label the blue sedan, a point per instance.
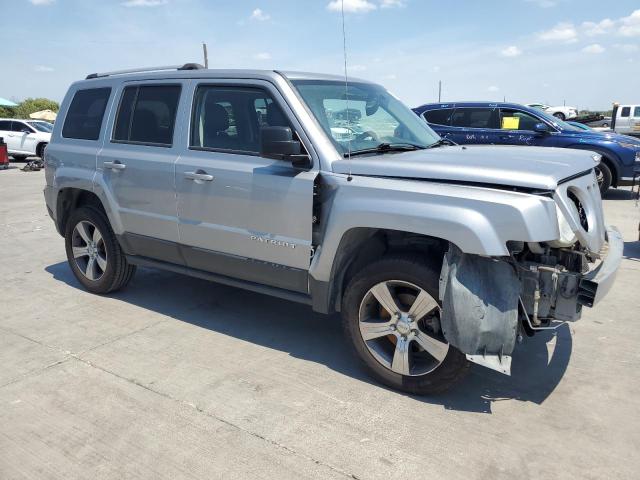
(514, 124)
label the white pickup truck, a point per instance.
(627, 120)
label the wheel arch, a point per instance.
(609, 158)
(360, 246)
(70, 199)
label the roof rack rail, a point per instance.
(186, 66)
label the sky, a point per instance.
(584, 53)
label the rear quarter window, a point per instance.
(85, 114)
(438, 117)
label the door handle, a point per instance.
(115, 165)
(198, 175)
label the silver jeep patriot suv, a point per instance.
(333, 194)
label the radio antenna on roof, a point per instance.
(346, 89)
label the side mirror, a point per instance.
(278, 143)
(25, 130)
(541, 128)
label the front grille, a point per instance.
(580, 208)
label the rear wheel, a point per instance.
(93, 252)
(19, 158)
(604, 176)
(40, 150)
(559, 115)
(392, 318)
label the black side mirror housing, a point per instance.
(25, 130)
(278, 143)
(541, 128)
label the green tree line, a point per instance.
(28, 106)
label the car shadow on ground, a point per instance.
(620, 194)
(632, 251)
(296, 329)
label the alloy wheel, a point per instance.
(399, 323)
(89, 250)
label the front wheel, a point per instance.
(392, 319)
(559, 115)
(604, 177)
(93, 252)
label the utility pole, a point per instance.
(439, 91)
(206, 56)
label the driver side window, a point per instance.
(517, 120)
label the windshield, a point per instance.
(364, 116)
(556, 122)
(42, 126)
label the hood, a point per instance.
(525, 167)
(600, 136)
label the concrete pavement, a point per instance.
(176, 377)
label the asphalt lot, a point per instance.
(179, 378)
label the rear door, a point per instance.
(474, 125)
(5, 130)
(242, 215)
(137, 165)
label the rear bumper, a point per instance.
(595, 285)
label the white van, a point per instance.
(628, 120)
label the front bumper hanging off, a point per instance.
(482, 299)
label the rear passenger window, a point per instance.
(5, 125)
(84, 118)
(147, 115)
(626, 111)
(475, 118)
(231, 118)
(439, 117)
(636, 112)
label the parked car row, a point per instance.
(337, 195)
(514, 124)
(25, 138)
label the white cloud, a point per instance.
(43, 68)
(392, 3)
(351, 6)
(436, 69)
(594, 48)
(630, 25)
(357, 68)
(262, 56)
(562, 32)
(259, 15)
(41, 2)
(511, 51)
(144, 3)
(602, 27)
(493, 88)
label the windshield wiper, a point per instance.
(387, 147)
(443, 142)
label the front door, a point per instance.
(21, 138)
(518, 128)
(242, 215)
(137, 163)
(623, 124)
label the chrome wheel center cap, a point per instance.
(403, 326)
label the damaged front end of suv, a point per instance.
(489, 303)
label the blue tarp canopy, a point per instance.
(7, 103)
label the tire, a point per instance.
(559, 115)
(40, 150)
(99, 263)
(401, 274)
(19, 158)
(605, 125)
(603, 172)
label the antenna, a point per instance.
(346, 89)
(206, 55)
